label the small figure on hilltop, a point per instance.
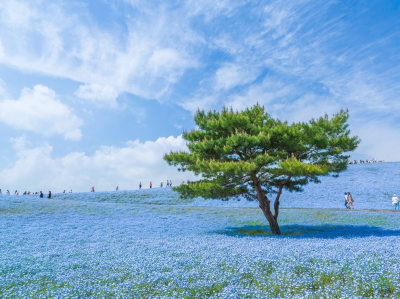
(8, 192)
(167, 183)
(41, 194)
(151, 185)
(350, 201)
(16, 192)
(0, 191)
(116, 189)
(395, 202)
(64, 191)
(170, 183)
(161, 185)
(140, 185)
(49, 195)
(92, 190)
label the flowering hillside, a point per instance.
(151, 244)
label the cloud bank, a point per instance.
(108, 167)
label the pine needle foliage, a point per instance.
(249, 153)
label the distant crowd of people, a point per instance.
(169, 184)
(348, 198)
(366, 161)
(40, 193)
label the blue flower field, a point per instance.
(151, 244)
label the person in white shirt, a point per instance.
(395, 202)
(345, 200)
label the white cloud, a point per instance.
(232, 75)
(146, 56)
(213, 8)
(38, 110)
(1, 50)
(269, 93)
(200, 102)
(19, 143)
(98, 94)
(3, 92)
(15, 13)
(108, 167)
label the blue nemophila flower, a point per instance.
(155, 245)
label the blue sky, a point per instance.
(95, 92)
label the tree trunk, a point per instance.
(265, 206)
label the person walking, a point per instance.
(345, 200)
(350, 201)
(8, 192)
(151, 185)
(41, 194)
(140, 185)
(395, 202)
(161, 185)
(116, 189)
(92, 190)
(49, 195)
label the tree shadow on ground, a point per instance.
(311, 231)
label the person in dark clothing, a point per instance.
(140, 185)
(41, 194)
(49, 196)
(151, 185)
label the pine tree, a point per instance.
(251, 154)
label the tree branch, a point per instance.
(252, 195)
(276, 203)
